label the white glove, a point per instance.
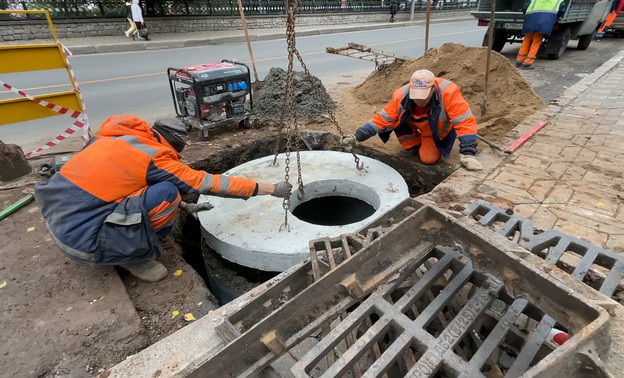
(470, 162)
(282, 189)
(349, 140)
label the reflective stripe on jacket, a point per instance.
(449, 116)
(94, 206)
(541, 16)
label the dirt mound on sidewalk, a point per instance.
(510, 97)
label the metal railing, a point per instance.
(85, 9)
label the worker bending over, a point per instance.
(539, 21)
(111, 203)
(427, 115)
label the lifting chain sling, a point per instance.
(290, 109)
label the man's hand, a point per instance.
(194, 208)
(282, 189)
(470, 162)
(348, 140)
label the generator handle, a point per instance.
(175, 104)
(171, 73)
(248, 78)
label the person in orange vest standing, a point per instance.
(427, 115)
(616, 8)
(113, 202)
(539, 21)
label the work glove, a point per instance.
(470, 162)
(282, 189)
(194, 208)
(349, 141)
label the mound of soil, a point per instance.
(510, 98)
(269, 100)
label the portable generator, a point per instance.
(212, 94)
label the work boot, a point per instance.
(408, 152)
(526, 66)
(150, 271)
(518, 63)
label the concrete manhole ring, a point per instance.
(247, 231)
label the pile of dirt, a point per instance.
(13, 163)
(510, 97)
(268, 101)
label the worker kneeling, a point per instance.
(111, 203)
(427, 115)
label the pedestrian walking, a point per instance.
(132, 31)
(113, 202)
(393, 10)
(539, 21)
(137, 17)
(427, 115)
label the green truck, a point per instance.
(581, 20)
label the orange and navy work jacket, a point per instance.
(94, 207)
(449, 116)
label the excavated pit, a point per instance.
(227, 280)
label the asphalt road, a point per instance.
(136, 82)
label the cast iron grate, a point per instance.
(597, 267)
(440, 318)
(403, 305)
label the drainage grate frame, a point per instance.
(551, 246)
(380, 253)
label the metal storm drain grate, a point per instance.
(599, 268)
(416, 293)
(440, 318)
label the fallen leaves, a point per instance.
(189, 317)
(3, 284)
(174, 314)
(177, 272)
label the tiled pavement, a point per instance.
(570, 175)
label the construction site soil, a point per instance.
(60, 318)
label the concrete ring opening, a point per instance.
(246, 232)
(334, 202)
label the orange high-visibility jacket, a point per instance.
(449, 116)
(94, 205)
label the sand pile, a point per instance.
(510, 96)
(268, 101)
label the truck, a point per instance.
(580, 22)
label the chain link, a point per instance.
(289, 105)
(290, 110)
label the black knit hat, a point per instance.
(173, 130)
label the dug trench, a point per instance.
(228, 147)
(227, 280)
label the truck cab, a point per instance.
(580, 21)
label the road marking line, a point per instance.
(246, 61)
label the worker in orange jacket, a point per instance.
(112, 202)
(427, 115)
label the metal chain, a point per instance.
(325, 104)
(289, 104)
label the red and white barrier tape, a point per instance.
(77, 125)
(82, 121)
(85, 119)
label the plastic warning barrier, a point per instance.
(25, 58)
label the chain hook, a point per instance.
(359, 165)
(285, 225)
